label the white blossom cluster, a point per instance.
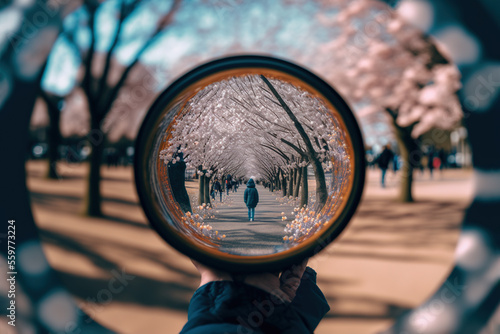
(199, 219)
(196, 222)
(385, 64)
(306, 222)
(237, 126)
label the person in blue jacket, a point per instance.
(256, 304)
(251, 198)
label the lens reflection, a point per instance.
(252, 164)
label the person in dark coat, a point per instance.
(229, 179)
(395, 163)
(212, 192)
(257, 303)
(383, 161)
(251, 198)
(218, 188)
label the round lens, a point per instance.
(249, 163)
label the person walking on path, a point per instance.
(383, 161)
(395, 163)
(218, 188)
(229, 178)
(212, 192)
(430, 161)
(251, 198)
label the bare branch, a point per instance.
(162, 24)
(125, 10)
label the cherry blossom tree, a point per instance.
(100, 89)
(382, 64)
(53, 131)
(256, 125)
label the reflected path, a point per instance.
(262, 236)
(387, 260)
(266, 126)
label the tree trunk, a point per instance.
(321, 191)
(291, 178)
(297, 183)
(201, 189)
(304, 192)
(295, 172)
(410, 154)
(53, 141)
(405, 193)
(283, 185)
(206, 191)
(92, 201)
(177, 179)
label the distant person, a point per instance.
(212, 192)
(436, 162)
(370, 159)
(229, 179)
(251, 198)
(430, 161)
(422, 163)
(395, 163)
(218, 188)
(383, 161)
(443, 157)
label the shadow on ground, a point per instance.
(382, 230)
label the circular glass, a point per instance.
(249, 163)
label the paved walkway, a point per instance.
(262, 236)
(390, 258)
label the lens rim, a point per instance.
(242, 264)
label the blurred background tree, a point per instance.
(96, 33)
(385, 65)
(115, 56)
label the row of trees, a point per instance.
(385, 65)
(101, 78)
(253, 125)
(379, 63)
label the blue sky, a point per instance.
(200, 29)
(203, 30)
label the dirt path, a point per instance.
(264, 235)
(391, 257)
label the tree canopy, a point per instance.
(238, 126)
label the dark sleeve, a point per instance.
(245, 196)
(256, 196)
(309, 302)
(235, 307)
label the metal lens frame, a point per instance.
(171, 102)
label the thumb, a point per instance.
(290, 278)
